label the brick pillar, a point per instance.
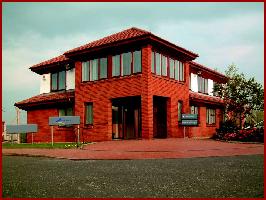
(146, 95)
(202, 121)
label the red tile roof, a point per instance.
(203, 97)
(131, 33)
(208, 69)
(46, 98)
(123, 35)
(57, 59)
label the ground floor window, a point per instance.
(211, 119)
(68, 111)
(180, 108)
(88, 113)
(194, 110)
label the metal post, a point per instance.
(52, 135)
(78, 135)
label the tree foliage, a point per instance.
(241, 95)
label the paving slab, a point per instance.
(146, 149)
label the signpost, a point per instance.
(189, 120)
(62, 121)
(23, 128)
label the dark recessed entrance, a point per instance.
(126, 118)
(159, 117)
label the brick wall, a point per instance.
(41, 117)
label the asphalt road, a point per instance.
(237, 176)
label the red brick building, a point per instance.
(128, 85)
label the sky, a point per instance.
(221, 33)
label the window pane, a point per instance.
(179, 110)
(89, 114)
(103, 68)
(69, 111)
(158, 63)
(62, 80)
(206, 86)
(94, 69)
(181, 71)
(176, 70)
(61, 112)
(54, 81)
(172, 67)
(164, 67)
(137, 61)
(211, 118)
(85, 71)
(116, 65)
(126, 60)
(152, 62)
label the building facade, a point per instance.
(129, 85)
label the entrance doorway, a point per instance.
(126, 118)
(159, 117)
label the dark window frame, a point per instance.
(57, 81)
(180, 111)
(209, 114)
(131, 64)
(85, 113)
(98, 70)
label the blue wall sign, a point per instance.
(189, 116)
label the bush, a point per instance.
(229, 131)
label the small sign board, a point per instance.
(189, 116)
(193, 122)
(189, 119)
(64, 120)
(23, 128)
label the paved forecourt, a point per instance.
(146, 149)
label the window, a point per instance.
(116, 65)
(85, 71)
(103, 68)
(202, 85)
(68, 111)
(164, 66)
(93, 70)
(58, 81)
(88, 113)
(126, 63)
(152, 61)
(181, 71)
(180, 108)
(211, 119)
(65, 111)
(194, 110)
(176, 70)
(158, 63)
(172, 68)
(137, 62)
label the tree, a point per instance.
(242, 96)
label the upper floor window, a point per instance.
(166, 66)
(202, 85)
(93, 70)
(58, 81)
(126, 63)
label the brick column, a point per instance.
(146, 95)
